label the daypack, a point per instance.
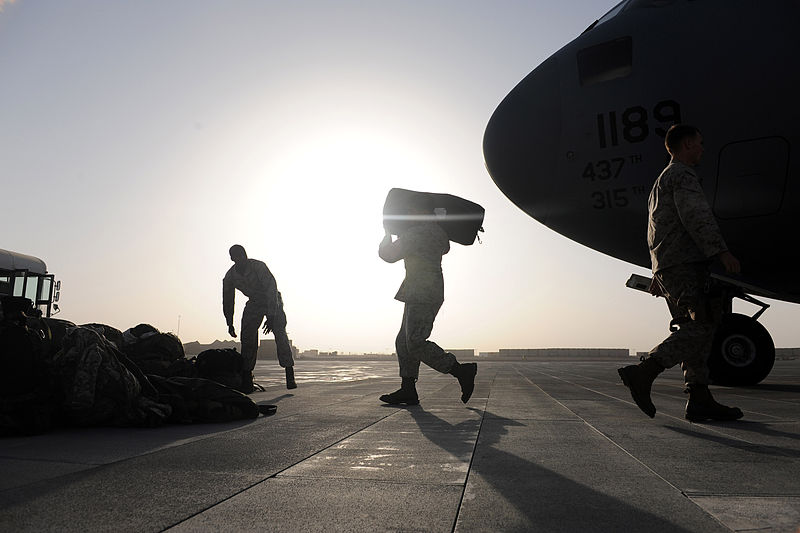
(201, 400)
(97, 388)
(155, 352)
(223, 365)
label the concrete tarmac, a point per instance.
(541, 446)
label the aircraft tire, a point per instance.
(742, 352)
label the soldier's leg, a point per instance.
(409, 370)
(252, 317)
(409, 364)
(282, 343)
(699, 313)
(418, 325)
(696, 319)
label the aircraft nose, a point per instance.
(521, 141)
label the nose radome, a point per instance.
(520, 145)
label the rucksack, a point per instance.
(223, 365)
(155, 352)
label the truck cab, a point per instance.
(26, 276)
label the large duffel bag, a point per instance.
(156, 352)
(197, 400)
(461, 219)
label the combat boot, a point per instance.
(407, 394)
(465, 373)
(290, 383)
(639, 378)
(246, 382)
(702, 406)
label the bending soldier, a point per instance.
(683, 238)
(421, 245)
(254, 280)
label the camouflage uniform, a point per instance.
(421, 247)
(683, 236)
(259, 285)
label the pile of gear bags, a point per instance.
(54, 373)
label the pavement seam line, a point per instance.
(706, 427)
(472, 456)
(273, 476)
(659, 476)
(629, 454)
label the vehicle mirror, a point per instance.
(56, 296)
(58, 285)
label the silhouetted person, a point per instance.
(421, 245)
(684, 239)
(254, 280)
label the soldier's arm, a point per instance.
(697, 218)
(228, 293)
(389, 251)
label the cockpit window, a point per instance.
(605, 61)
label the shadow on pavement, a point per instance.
(545, 498)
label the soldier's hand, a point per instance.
(731, 264)
(655, 288)
(232, 331)
(267, 326)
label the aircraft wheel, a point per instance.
(742, 353)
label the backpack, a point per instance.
(155, 352)
(223, 365)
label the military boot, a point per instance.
(290, 383)
(407, 394)
(702, 406)
(465, 373)
(246, 382)
(639, 378)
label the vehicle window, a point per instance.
(19, 282)
(44, 290)
(605, 61)
(32, 288)
(5, 285)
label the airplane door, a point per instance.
(751, 178)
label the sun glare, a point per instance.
(316, 218)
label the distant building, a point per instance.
(267, 349)
(194, 348)
(547, 353)
(462, 353)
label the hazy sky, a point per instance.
(139, 140)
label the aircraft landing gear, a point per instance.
(742, 352)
